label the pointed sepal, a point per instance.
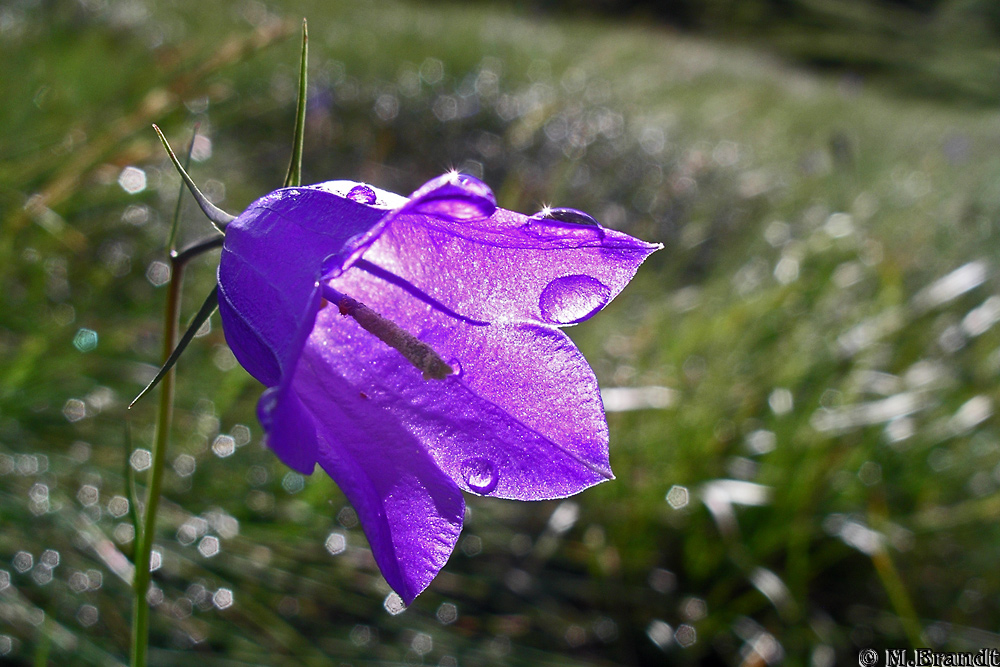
(216, 215)
(207, 308)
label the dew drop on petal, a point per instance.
(572, 299)
(567, 223)
(480, 474)
(362, 194)
(458, 208)
(455, 197)
(570, 215)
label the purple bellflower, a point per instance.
(412, 348)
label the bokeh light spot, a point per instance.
(85, 340)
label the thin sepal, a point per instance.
(175, 223)
(216, 215)
(207, 308)
(294, 175)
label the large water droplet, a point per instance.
(564, 222)
(572, 299)
(480, 474)
(362, 194)
(455, 197)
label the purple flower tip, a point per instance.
(411, 348)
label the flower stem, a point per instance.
(145, 537)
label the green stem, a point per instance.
(898, 597)
(144, 546)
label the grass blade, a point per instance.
(294, 175)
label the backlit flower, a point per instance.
(411, 348)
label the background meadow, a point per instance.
(801, 386)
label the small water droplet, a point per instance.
(480, 474)
(571, 299)
(362, 194)
(565, 223)
(570, 215)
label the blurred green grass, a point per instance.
(789, 318)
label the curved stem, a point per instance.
(144, 546)
(197, 248)
(179, 259)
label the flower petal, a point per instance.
(522, 418)
(410, 510)
(558, 267)
(485, 289)
(272, 257)
(291, 433)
